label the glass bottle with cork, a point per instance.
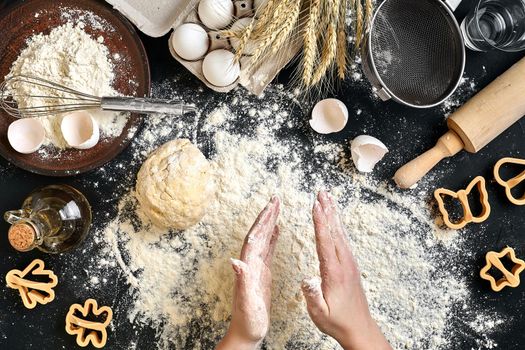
(53, 219)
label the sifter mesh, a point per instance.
(417, 50)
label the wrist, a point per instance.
(369, 337)
(234, 341)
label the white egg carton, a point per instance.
(155, 18)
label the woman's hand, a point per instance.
(336, 302)
(253, 280)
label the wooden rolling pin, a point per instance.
(486, 115)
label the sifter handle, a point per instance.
(410, 173)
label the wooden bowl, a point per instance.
(132, 76)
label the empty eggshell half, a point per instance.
(80, 130)
(367, 151)
(26, 135)
(329, 116)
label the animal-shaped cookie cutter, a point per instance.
(511, 183)
(510, 278)
(86, 330)
(33, 292)
(462, 196)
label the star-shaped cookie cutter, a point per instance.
(462, 196)
(86, 330)
(510, 183)
(33, 292)
(510, 278)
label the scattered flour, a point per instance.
(181, 282)
(70, 57)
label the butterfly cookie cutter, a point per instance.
(86, 330)
(511, 183)
(33, 292)
(510, 278)
(462, 196)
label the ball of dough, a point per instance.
(175, 185)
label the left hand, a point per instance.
(253, 280)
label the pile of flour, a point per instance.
(70, 57)
(181, 282)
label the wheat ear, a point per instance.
(359, 24)
(243, 41)
(310, 41)
(269, 34)
(287, 27)
(342, 53)
(327, 55)
(256, 21)
(369, 10)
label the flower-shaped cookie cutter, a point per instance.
(33, 292)
(510, 183)
(510, 278)
(462, 196)
(87, 330)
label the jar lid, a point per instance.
(22, 236)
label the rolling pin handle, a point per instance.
(410, 173)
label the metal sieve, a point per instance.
(414, 52)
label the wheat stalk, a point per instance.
(310, 41)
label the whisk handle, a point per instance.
(145, 105)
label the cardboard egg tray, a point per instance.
(157, 17)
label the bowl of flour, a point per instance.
(84, 45)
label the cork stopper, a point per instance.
(22, 236)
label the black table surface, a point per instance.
(407, 131)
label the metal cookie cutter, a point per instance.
(33, 292)
(462, 196)
(510, 278)
(511, 183)
(86, 330)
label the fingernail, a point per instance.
(311, 285)
(317, 205)
(236, 265)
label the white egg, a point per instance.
(367, 151)
(26, 135)
(329, 116)
(80, 130)
(239, 27)
(190, 41)
(216, 14)
(220, 68)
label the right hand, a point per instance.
(336, 302)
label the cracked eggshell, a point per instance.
(367, 151)
(26, 135)
(80, 130)
(329, 116)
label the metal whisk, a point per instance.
(62, 99)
